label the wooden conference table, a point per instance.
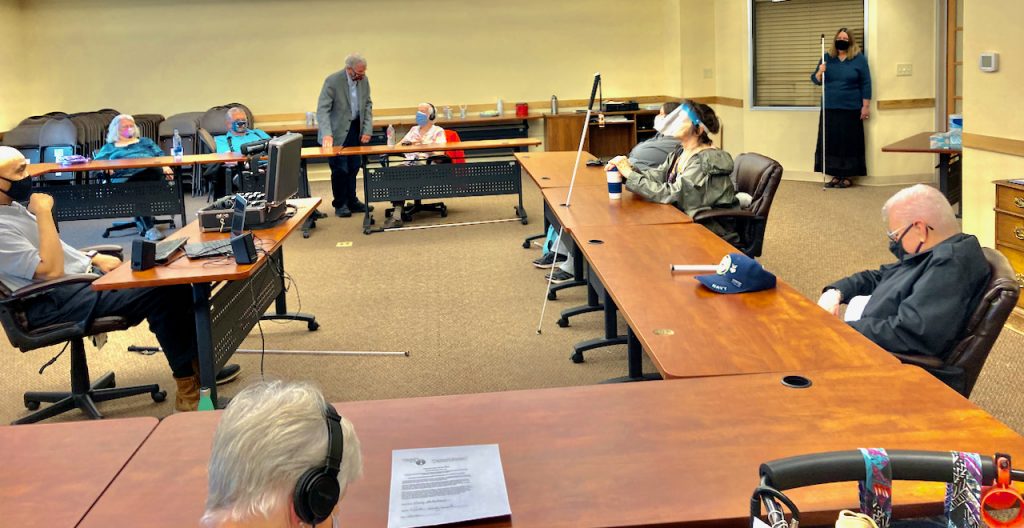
(554, 169)
(949, 169)
(584, 456)
(224, 317)
(690, 331)
(51, 474)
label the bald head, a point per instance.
(11, 162)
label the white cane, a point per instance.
(824, 173)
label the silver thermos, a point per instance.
(554, 105)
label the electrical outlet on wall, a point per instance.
(904, 70)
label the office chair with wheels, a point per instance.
(758, 176)
(83, 394)
(960, 369)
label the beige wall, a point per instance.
(990, 107)
(11, 64)
(168, 57)
(898, 32)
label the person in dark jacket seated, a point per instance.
(919, 304)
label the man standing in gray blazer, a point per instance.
(345, 112)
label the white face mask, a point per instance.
(672, 123)
(659, 122)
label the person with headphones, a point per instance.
(282, 457)
(424, 133)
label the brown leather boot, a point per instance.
(187, 398)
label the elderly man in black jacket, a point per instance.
(921, 303)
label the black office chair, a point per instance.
(83, 394)
(417, 205)
(961, 368)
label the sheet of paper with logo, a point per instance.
(442, 485)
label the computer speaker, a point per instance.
(143, 254)
(243, 248)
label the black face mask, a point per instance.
(20, 190)
(842, 45)
(896, 246)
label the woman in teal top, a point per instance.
(124, 142)
(847, 104)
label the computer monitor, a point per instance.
(283, 168)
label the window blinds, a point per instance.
(787, 46)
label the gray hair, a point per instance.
(924, 203)
(354, 59)
(235, 110)
(269, 435)
(112, 129)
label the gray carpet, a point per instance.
(465, 303)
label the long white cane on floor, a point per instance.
(824, 168)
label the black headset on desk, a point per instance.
(317, 491)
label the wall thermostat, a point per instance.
(989, 61)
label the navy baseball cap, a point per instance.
(738, 273)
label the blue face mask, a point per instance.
(239, 126)
(422, 119)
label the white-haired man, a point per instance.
(345, 113)
(239, 131)
(273, 440)
(31, 250)
(919, 304)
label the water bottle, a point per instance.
(176, 150)
(554, 105)
(501, 108)
(205, 403)
(391, 135)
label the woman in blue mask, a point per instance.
(124, 142)
(847, 105)
(424, 133)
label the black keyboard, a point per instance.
(166, 248)
(209, 248)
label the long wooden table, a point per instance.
(690, 331)
(554, 169)
(51, 474)
(949, 169)
(224, 317)
(683, 452)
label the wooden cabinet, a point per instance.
(1010, 227)
(621, 131)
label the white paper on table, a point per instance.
(855, 308)
(444, 485)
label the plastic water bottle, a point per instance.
(501, 107)
(176, 149)
(391, 135)
(205, 403)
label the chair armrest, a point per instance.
(43, 287)
(113, 250)
(927, 362)
(723, 213)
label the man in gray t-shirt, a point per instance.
(31, 251)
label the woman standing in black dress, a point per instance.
(847, 105)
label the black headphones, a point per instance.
(317, 491)
(433, 112)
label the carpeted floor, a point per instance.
(465, 303)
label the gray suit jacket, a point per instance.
(332, 108)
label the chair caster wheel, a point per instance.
(366, 230)
(106, 235)
(444, 212)
(526, 245)
(406, 217)
(563, 323)
(305, 235)
(32, 405)
(524, 221)
(113, 382)
(172, 225)
(158, 396)
(313, 326)
(576, 357)
(552, 296)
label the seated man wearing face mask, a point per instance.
(652, 152)
(424, 133)
(921, 303)
(239, 132)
